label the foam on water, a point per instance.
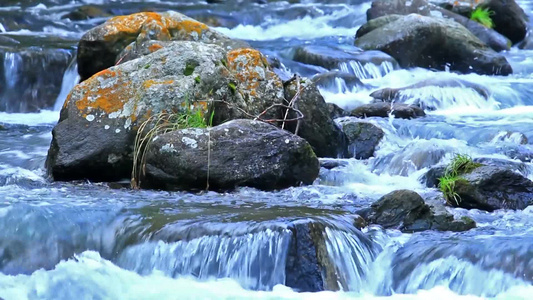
(302, 28)
(88, 276)
(44, 117)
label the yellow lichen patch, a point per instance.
(190, 26)
(149, 83)
(130, 24)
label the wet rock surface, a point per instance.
(363, 137)
(406, 210)
(384, 109)
(236, 153)
(490, 188)
(441, 44)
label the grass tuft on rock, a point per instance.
(482, 16)
(460, 164)
(160, 124)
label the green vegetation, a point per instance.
(460, 164)
(482, 16)
(160, 124)
(189, 68)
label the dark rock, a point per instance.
(100, 47)
(336, 112)
(331, 163)
(317, 127)
(332, 58)
(382, 8)
(441, 44)
(236, 153)
(363, 137)
(86, 12)
(508, 18)
(406, 210)
(490, 188)
(376, 23)
(433, 175)
(308, 267)
(383, 109)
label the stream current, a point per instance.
(88, 240)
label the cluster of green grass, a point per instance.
(482, 16)
(160, 124)
(460, 164)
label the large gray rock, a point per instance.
(363, 137)
(99, 121)
(508, 17)
(384, 109)
(440, 44)
(406, 210)
(99, 48)
(317, 126)
(490, 188)
(382, 9)
(236, 153)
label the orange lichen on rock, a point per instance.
(105, 91)
(249, 66)
(163, 26)
(149, 83)
(154, 47)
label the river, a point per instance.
(86, 240)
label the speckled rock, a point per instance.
(99, 121)
(100, 47)
(236, 153)
(440, 44)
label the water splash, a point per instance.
(368, 70)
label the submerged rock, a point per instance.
(490, 188)
(384, 109)
(86, 12)
(332, 58)
(99, 121)
(99, 48)
(363, 137)
(440, 44)
(236, 153)
(406, 210)
(317, 126)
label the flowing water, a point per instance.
(98, 241)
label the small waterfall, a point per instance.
(257, 260)
(368, 70)
(352, 253)
(70, 79)
(12, 62)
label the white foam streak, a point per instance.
(44, 117)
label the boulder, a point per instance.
(406, 210)
(383, 109)
(100, 118)
(384, 8)
(376, 23)
(509, 19)
(236, 153)
(440, 44)
(317, 126)
(490, 188)
(331, 58)
(99, 48)
(363, 137)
